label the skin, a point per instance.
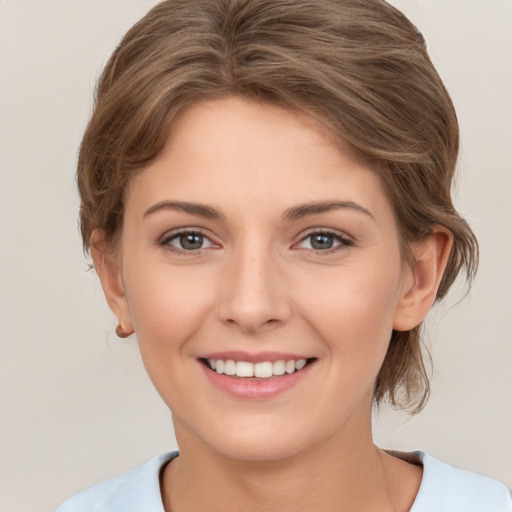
(257, 284)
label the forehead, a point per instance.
(241, 154)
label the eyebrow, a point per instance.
(294, 213)
(201, 210)
(302, 210)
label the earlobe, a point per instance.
(422, 281)
(108, 268)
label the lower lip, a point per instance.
(255, 389)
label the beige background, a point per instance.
(76, 406)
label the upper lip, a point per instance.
(258, 357)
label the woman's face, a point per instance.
(257, 242)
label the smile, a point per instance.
(262, 376)
(262, 370)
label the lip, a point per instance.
(253, 388)
(259, 357)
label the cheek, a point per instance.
(353, 311)
(167, 305)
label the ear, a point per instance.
(108, 268)
(422, 278)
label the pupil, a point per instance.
(322, 242)
(191, 242)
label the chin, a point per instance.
(269, 449)
(258, 440)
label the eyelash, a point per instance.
(168, 238)
(344, 241)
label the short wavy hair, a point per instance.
(358, 66)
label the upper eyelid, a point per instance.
(165, 242)
(183, 231)
(344, 241)
(328, 231)
(171, 235)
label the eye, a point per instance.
(324, 240)
(187, 241)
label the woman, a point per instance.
(265, 194)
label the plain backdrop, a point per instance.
(75, 404)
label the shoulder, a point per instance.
(445, 488)
(134, 491)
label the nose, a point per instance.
(253, 292)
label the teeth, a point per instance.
(289, 366)
(263, 370)
(244, 369)
(230, 367)
(279, 368)
(299, 364)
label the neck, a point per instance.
(342, 473)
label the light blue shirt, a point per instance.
(443, 489)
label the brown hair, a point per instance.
(359, 66)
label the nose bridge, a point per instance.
(253, 289)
